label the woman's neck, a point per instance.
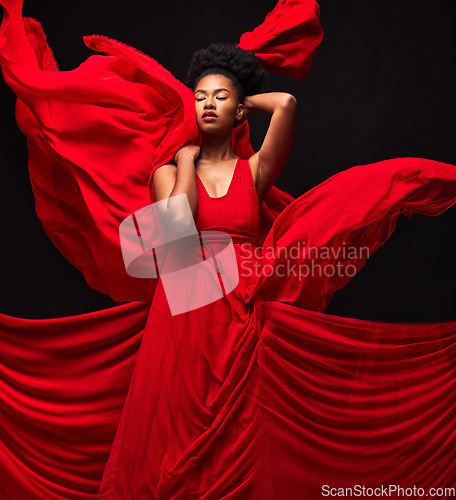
(216, 149)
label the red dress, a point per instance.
(256, 395)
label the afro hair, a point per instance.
(229, 60)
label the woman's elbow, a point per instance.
(289, 101)
(179, 219)
(182, 224)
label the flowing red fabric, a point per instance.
(248, 396)
(64, 382)
(286, 42)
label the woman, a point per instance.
(193, 397)
(246, 396)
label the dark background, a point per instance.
(382, 86)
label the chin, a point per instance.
(214, 127)
(210, 128)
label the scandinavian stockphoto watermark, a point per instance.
(301, 260)
(197, 268)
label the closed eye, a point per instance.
(220, 98)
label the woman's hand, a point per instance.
(248, 108)
(187, 151)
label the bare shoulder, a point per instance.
(163, 180)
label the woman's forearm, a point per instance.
(185, 185)
(186, 182)
(270, 102)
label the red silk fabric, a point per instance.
(63, 385)
(340, 401)
(370, 403)
(287, 40)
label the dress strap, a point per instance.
(249, 178)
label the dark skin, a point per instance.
(214, 161)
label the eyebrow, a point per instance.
(216, 90)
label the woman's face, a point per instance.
(217, 104)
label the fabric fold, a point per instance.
(63, 384)
(319, 241)
(287, 40)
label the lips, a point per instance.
(209, 116)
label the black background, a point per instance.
(382, 86)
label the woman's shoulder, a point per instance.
(163, 180)
(165, 171)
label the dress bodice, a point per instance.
(237, 212)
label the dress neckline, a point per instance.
(229, 186)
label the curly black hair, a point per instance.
(229, 60)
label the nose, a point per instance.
(209, 102)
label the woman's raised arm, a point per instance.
(269, 161)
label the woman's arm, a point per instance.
(171, 180)
(269, 161)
